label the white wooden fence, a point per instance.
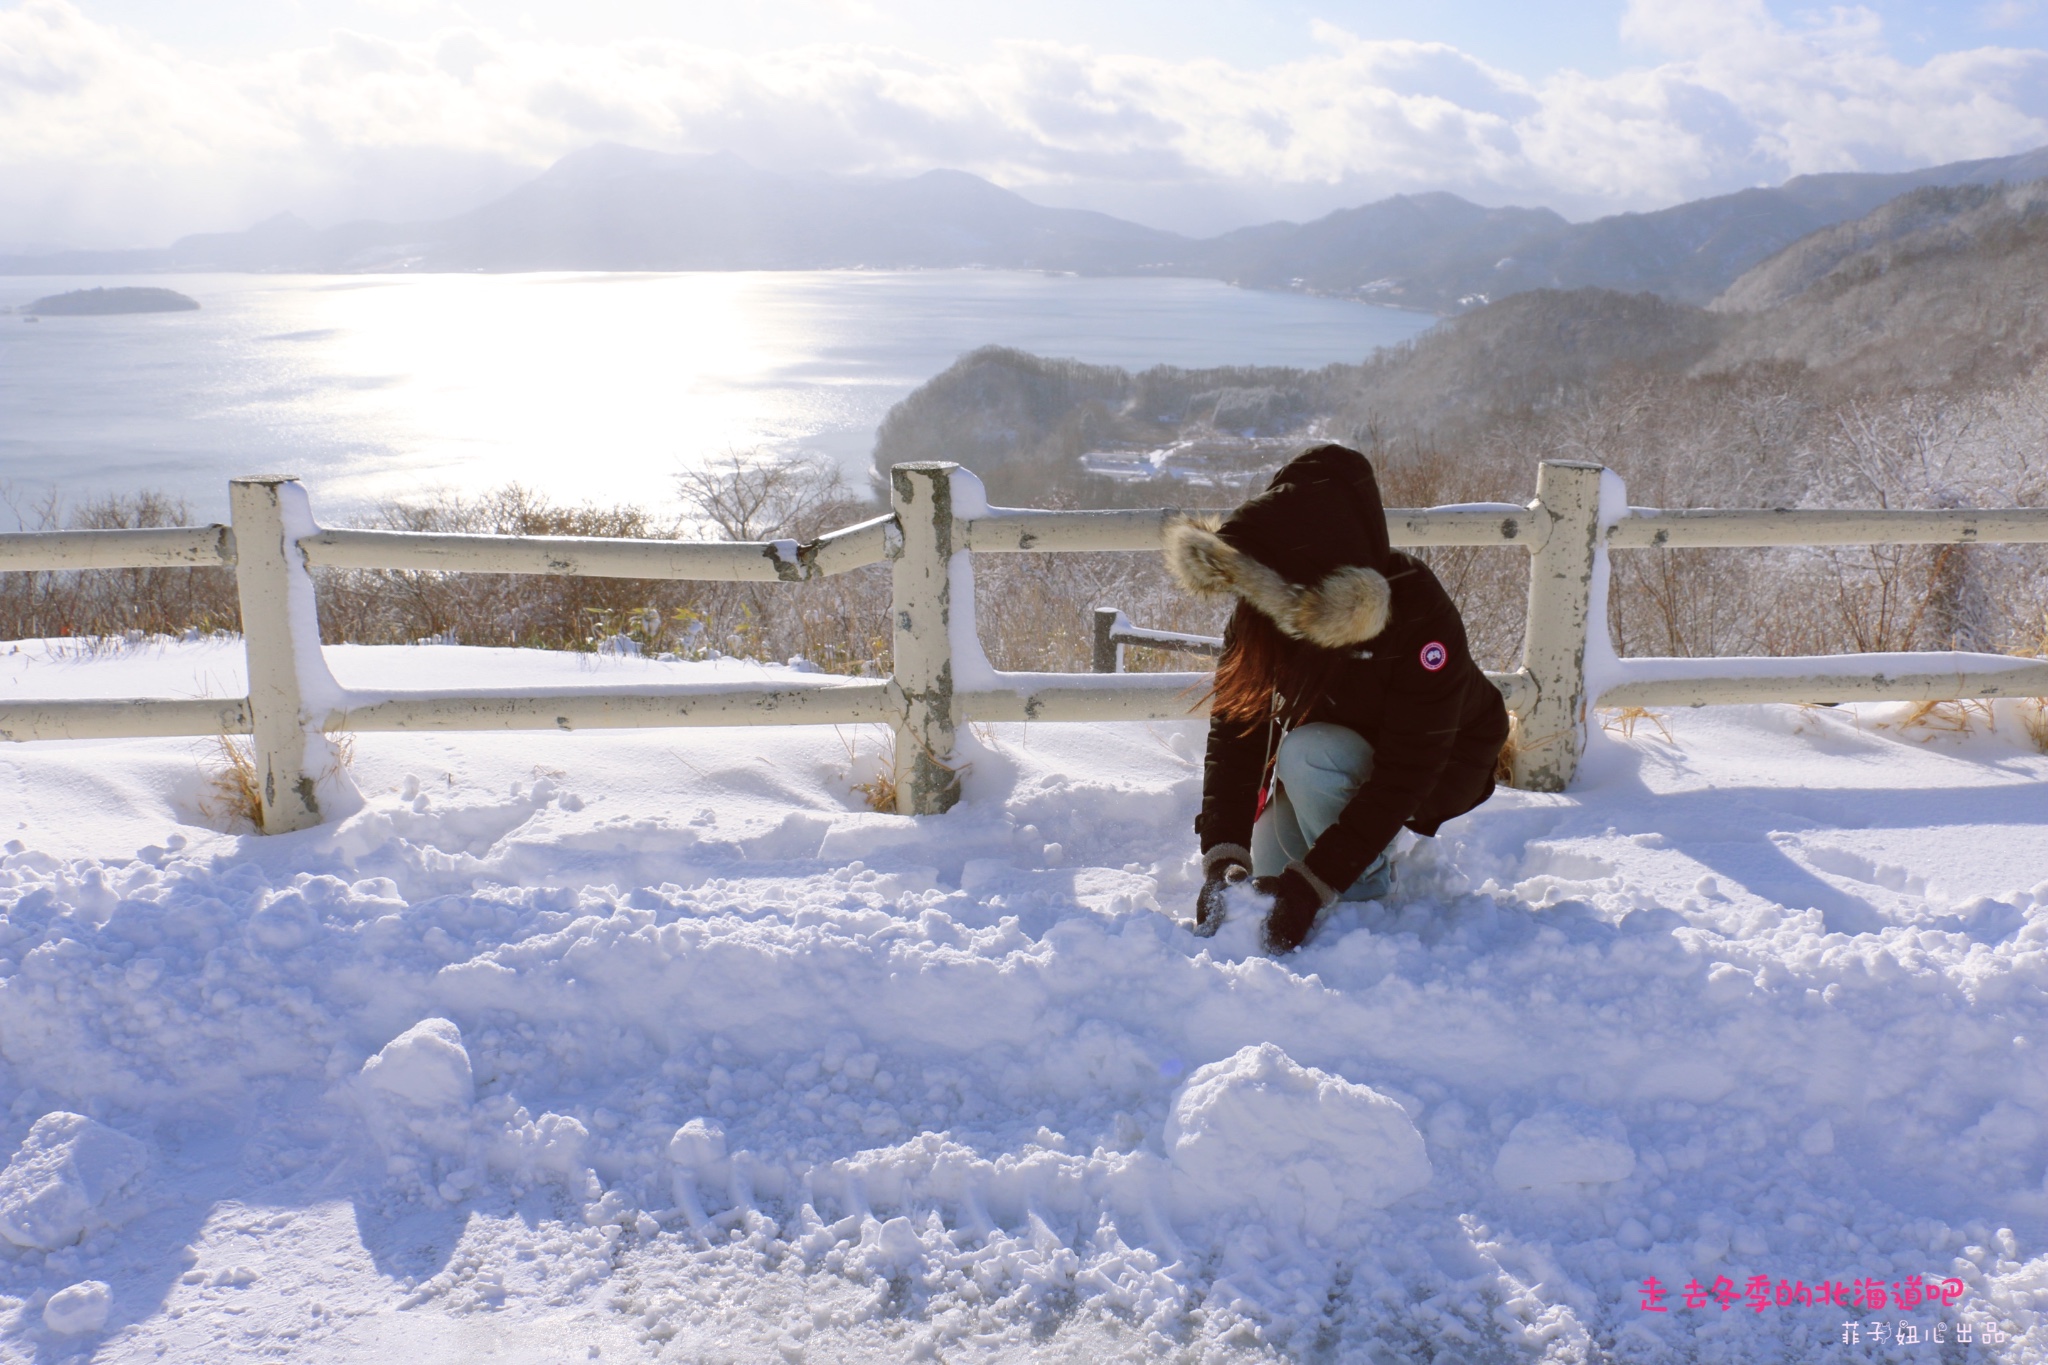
(939, 520)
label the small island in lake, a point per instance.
(125, 299)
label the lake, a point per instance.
(587, 387)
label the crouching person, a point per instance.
(1346, 703)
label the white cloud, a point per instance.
(2007, 13)
(106, 136)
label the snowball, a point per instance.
(1563, 1147)
(425, 1067)
(80, 1308)
(66, 1168)
(697, 1144)
(1259, 1130)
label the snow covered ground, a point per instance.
(658, 1045)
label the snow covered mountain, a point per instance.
(610, 207)
(619, 208)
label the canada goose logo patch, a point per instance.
(1434, 655)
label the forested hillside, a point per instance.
(1943, 288)
(1942, 291)
(1892, 361)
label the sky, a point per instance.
(131, 122)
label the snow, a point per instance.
(972, 671)
(1261, 1137)
(659, 1045)
(1562, 1147)
(81, 1307)
(424, 1068)
(65, 1170)
(319, 692)
(1603, 669)
(416, 1094)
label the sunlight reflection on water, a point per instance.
(583, 386)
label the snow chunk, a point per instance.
(894, 1244)
(426, 1067)
(697, 1145)
(66, 1168)
(419, 1089)
(80, 1308)
(1259, 1130)
(1560, 1148)
(285, 922)
(697, 1152)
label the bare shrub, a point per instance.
(1490, 584)
(1625, 719)
(231, 798)
(112, 602)
(1036, 612)
(753, 496)
(1771, 436)
(871, 774)
(1945, 717)
(840, 624)
(2034, 720)
(389, 606)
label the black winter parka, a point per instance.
(1311, 552)
(1435, 734)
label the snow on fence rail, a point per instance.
(1113, 630)
(939, 519)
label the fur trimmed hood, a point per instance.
(1345, 607)
(1308, 553)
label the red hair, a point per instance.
(1259, 663)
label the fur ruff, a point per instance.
(1347, 607)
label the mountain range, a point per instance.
(620, 208)
(1439, 252)
(1934, 296)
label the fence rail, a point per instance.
(1113, 631)
(757, 561)
(158, 547)
(132, 718)
(1017, 530)
(1647, 528)
(825, 702)
(939, 518)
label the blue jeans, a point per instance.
(1319, 767)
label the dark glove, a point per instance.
(1211, 902)
(1295, 907)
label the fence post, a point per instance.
(1553, 729)
(1108, 654)
(921, 591)
(269, 515)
